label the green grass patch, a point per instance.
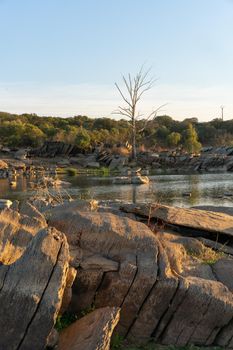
(63, 321)
(207, 256)
(71, 171)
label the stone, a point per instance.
(223, 270)
(31, 292)
(92, 332)
(93, 165)
(5, 203)
(52, 339)
(99, 262)
(165, 285)
(67, 295)
(3, 165)
(192, 218)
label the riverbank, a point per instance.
(129, 274)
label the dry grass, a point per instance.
(121, 151)
(207, 255)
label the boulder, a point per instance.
(3, 165)
(5, 203)
(117, 163)
(166, 285)
(92, 332)
(191, 218)
(128, 180)
(34, 261)
(139, 180)
(93, 165)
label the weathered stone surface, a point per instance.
(3, 165)
(117, 238)
(165, 286)
(194, 218)
(223, 269)
(92, 332)
(94, 262)
(224, 210)
(32, 285)
(67, 295)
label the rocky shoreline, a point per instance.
(58, 155)
(135, 273)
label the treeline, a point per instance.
(162, 132)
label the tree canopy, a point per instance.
(31, 130)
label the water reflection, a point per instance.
(182, 190)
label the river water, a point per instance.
(182, 190)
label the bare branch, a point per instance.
(153, 114)
(122, 95)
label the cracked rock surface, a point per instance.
(34, 261)
(169, 287)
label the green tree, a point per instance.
(83, 139)
(173, 139)
(190, 140)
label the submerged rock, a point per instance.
(128, 180)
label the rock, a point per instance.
(165, 285)
(128, 180)
(63, 163)
(120, 239)
(3, 165)
(193, 218)
(52, 339)
(93, 165)
(216, 246)
(223, 269)
(138, 180)
(117, 163)
(224, 210)
(32, 287)
(67, 295)
(21, 154)
(5, 203)
(122, 180)
(92, 332)
(99, 262)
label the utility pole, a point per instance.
(222, 108)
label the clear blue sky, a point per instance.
(62, 57)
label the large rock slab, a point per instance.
(193, 218)
(34, 262)
(92, 332)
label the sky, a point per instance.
(62, 57)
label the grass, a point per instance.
(71, 171)
(207, 256)
(65, 320)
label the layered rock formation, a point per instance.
(151, 281)
(167, 286)
(34, 264)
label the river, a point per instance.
(182, 190)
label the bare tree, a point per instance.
(134, 88)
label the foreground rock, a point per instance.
(34, 262)
(169, 287)
(92, 332)
(191, 218)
